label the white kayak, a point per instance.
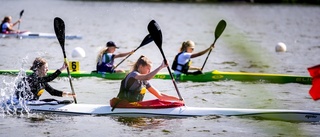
(182, 111)
(28, 34)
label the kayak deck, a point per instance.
(28, 34)
(182, 111)
(214, 75)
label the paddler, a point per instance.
(182, 61)
(32, 87)
(105, 59)
(135, 84)
(7, 26)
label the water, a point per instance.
(247, 44)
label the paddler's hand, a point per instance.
(212, 46)
(131, 52)
(164, 64)
(68, 94)
(198, 68)
(64, 66)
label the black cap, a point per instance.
(111, 44)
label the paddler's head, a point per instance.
(7, 19)
(40, 66)
(143, 65)
(111, 46)
(187, 46)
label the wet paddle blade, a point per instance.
(21, 13)
(145, 41)
(217, 33)
(155, 33)
(219, 29)
(59, 29)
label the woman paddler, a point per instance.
(135, 84)
(182, 61)
(31, 87)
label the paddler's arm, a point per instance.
(194, 68)
(151, 74)
(123, 54)
(202, 52)
(54, 75)
(68, 94)
(59, 93)
(162, 96)
(16, 22)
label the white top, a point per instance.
(183, 58)
(4, 27)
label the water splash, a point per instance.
(9, 104)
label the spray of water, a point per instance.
(9, 86)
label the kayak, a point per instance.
(28, 34)
(214, 75)
(179, 111)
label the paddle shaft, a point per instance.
(205, 61)
(21, 13)
(145, 41)
(217, 33)
(125, 58)
(69, 76)
(59, 29)
(173, 80)
(155, 32)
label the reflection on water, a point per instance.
(141, 122)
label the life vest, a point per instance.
(184, 67)
(131, 95)
(40, 92)
(107, 65)
(27, 91)
(5, 31)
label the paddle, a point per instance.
(59, 29)
(219, 29)
(145, 41)
(21, 13)
(155, 32)
(18, 31)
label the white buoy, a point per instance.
(281, 47)
(78, 52)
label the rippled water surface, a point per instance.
(247, 44)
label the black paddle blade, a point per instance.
(155, 33)
(21, 13)
(59, 29)
(220, 28)
(146, 40)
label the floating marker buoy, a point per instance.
(281, 47)
(78, 52)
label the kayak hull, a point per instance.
(182, 111)
(214, 75)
